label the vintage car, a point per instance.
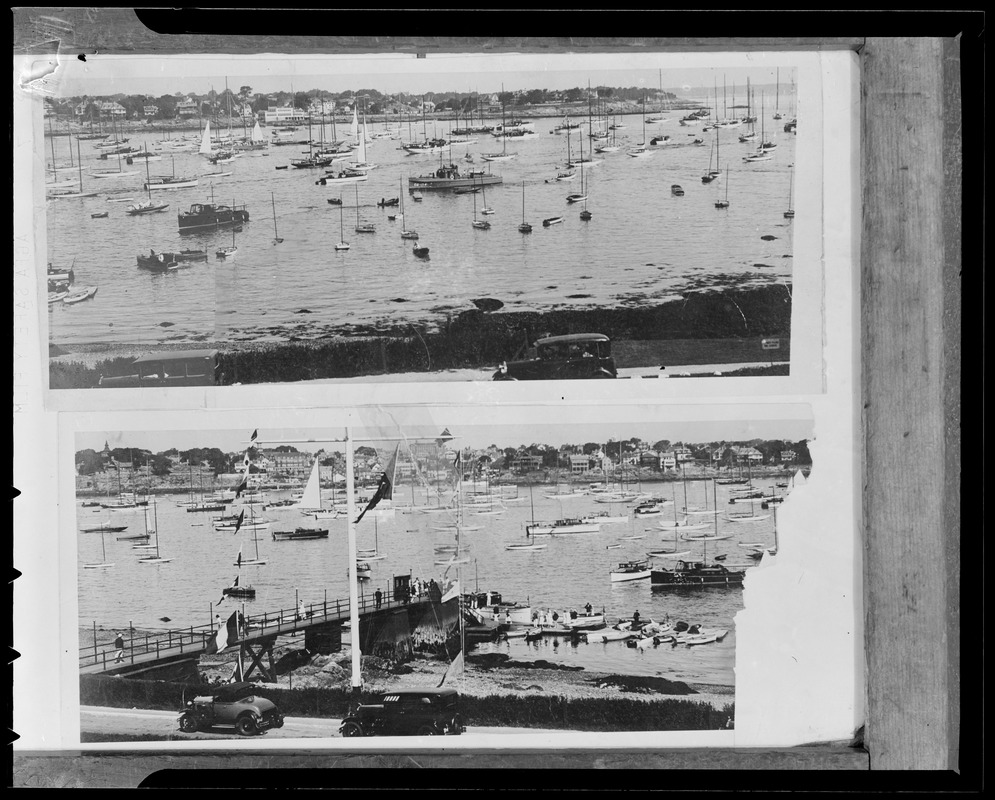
(169, 368)
(573, 356)
(236, 704)
(409, 712)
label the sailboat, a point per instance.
(169, 181)
(486, 210)
(251, 562)
(205, 140)
(504, 155)
(585, 214)
(80, 193)
(761, 153)
(311, 503)
(120, 172)
(640, 150)
(529, 543)
(708, 177)
(229, 252)
(524, 227)
(479, 224)
(342, 243)
(577, 197)
(103, 560)
(406, 232)
(157, 557)
(569, 173)
(374, 554)
(365, 227)
(698, 574)
(146, 206)
(777, 94)
(724, 203)
(790, 213)
(276, 235)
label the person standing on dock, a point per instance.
(378, 596)
(119, 647)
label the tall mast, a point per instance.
(350, 480)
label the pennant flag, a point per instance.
(456, 460)
(454, 670)
(385, 490)
(226, 635)
(238, 522)
(241, 487)
(453, 590)
(255, 433)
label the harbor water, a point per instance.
(643, 244)
(570, 572)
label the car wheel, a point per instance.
(351, 729)
(188, 724)
(278, 722)
(245, 726)
(428, 730)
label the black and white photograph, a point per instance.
(503, 579)
(218, 221)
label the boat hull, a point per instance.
(433, 184)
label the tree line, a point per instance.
(173, 461)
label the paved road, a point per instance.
(150, 722)
(487, 374)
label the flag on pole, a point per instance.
(225, 636)
(242, 486)
(255, 433)
(234, 585)
(454, 670)
(453, 590)
(385, 490)
(238, 522)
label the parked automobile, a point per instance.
(410, 712)
(573, 356)
(236, 704)
(169, 368)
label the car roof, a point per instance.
(235, 691)
(169, 355)
(574, 337)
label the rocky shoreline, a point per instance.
(704, 326)
(484, 675)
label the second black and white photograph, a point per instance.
(424, 579)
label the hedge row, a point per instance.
(475, 339)
(594, 714)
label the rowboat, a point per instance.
(79, 295)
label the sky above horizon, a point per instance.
(690, 75)
(685, 423)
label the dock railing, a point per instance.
(149, 647)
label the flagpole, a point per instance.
(350, 482)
